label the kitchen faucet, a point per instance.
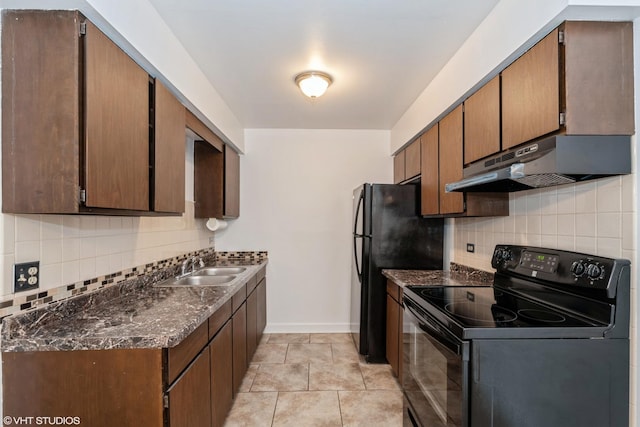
(190, 262)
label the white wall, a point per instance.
(295, 202)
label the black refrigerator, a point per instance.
(388, 233)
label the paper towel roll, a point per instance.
(215, 224)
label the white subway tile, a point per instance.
(88, 247)
(549, 225)
(103, 226)
(609, 224)
(609, 195)
(71, 249)
(71, 225)
(533, 202)
(87, 268)
(51, 251)
(586, 244)
(566, 225)
(6, 274)
(27, 228)
(585, 198)
(27, 251)
(8, 229)
(51, 227)
(103, 265)
(586, 225)
(566, 203)
(608, 247)
(549, 241)
(533, 240)
(549, 202)
(534, 224)
(88, 226)
(70, 272)
(628, 186)
(50, 276)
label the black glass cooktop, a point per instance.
(489, 307)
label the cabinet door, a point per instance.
(239, 346)
(482, 122)
(412, 160)
(116, 126)
(231, 183)
(530, 94)
(208, 180)
(189, 397)
(261, 290)
(430, 179)
(451, 160)
(392, 337)
(221, 348)
(398, 167)
(169, 151)
(40, 111)
(252, 324)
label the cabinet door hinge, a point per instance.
(165, 401)
(83, 28)
(561, 37)
(83, 195)
(563, 119)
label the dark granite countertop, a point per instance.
(459, 275)
(140, 316)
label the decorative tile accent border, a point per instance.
(159, 269)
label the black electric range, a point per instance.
(546, 344)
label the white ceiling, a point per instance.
(381, 53)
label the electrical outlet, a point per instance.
(26, 276)
(471, 247)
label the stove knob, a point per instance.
(577, 268)
(594, 271)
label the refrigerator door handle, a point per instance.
(355, 257)
(357, 215)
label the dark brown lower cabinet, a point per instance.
(189, 395)
(190, 385)
(252, 324)
(394, 328)
(261, 289)
(103, 388)
(221, 348)
(239, 320)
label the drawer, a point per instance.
(394, 290)
(218, 319)
(180, 356)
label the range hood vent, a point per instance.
(556, 160)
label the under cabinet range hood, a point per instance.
(556, 160)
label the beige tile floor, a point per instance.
(308, 380)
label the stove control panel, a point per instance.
(554, 266)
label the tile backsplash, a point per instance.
(75, 248)
(595, 217)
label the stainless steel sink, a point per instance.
(220, 280)
(218, 271)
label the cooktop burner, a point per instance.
(489, 307)
(478, 312)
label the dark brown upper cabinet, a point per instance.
(168, 151)
(442, 150)
(216, 176)
(450, 160)
(75, 120)
(482, 122)
(578, 80)
(406, 164)
(430, 177)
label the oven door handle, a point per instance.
(438, 332)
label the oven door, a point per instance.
(435, 376)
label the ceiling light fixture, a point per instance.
(313, 83)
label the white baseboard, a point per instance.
(288, 328)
